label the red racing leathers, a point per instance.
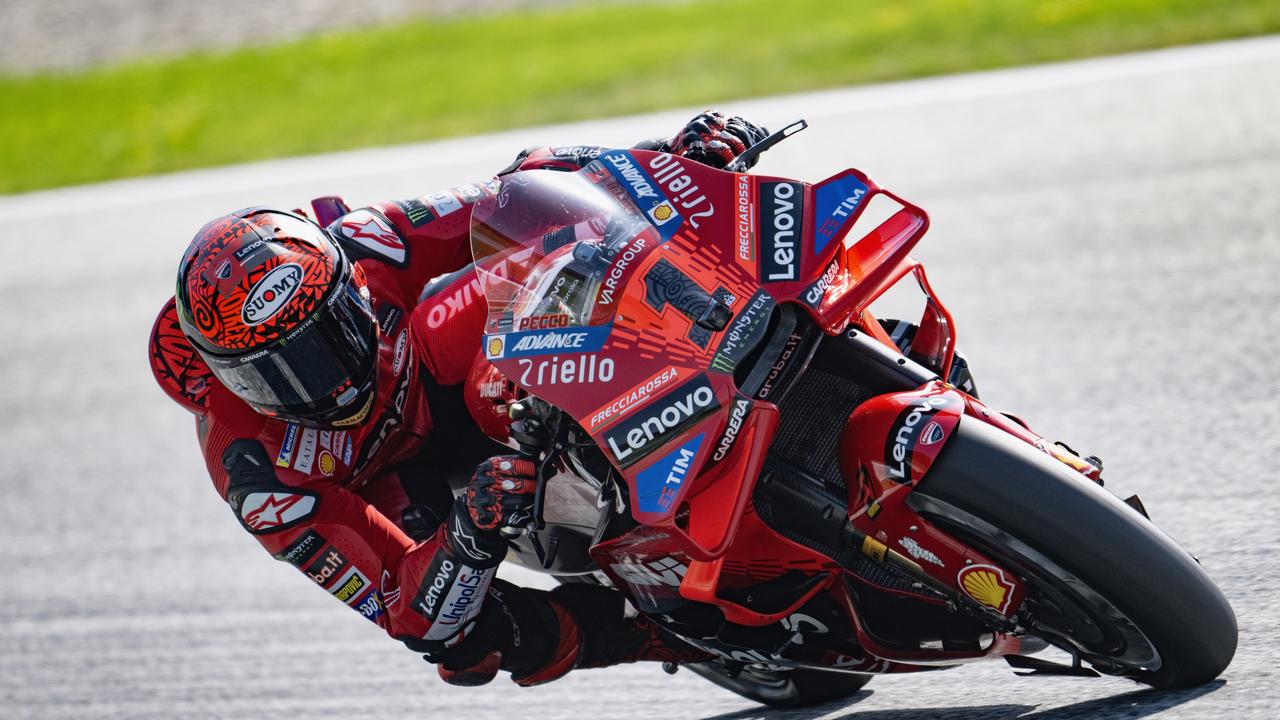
(363, 510)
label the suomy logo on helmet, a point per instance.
(271, 293)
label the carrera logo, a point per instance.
(781, 216)
(586, 369)
(737, 414)
(906, 433)
(667, 417)
(264, 512)
(271, 293)
(816, 292)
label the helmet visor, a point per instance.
(318, 371)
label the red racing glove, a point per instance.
(501, 493)
(714, 140)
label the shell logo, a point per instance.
(662, 212)
(327, 462)
(988, 585)
(493, 346)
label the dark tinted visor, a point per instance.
(317, 371)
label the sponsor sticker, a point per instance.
(781, 217)
(459, 299)
(546, 342)
(659, 484)
(443, 203)
(306, 450)
(917, 551)
(461, 603)
(663, 419)
(988, 585)
(416, 211)
(270, 294)
(817, 291)
(358, 417)
(350, 586)
(264, 512)
(737, 414)
(369, 605)
(435, 585)
(643, 191)
(906, 432)
(402, 346)
(633, 397)
(663, 571)
(287, 446)
(328, 565)
(836, 202)
(372, 232)
(584, 369)
(327, 463)
(743, 334)
(744, 226)
(625, 258)
(346, 453)
(671, 174)
(302, 549)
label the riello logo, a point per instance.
(271, 293)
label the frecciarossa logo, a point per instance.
(662, 420)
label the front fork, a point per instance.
(886, 448)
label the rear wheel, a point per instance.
(1103, 581)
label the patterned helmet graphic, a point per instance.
(251, 277)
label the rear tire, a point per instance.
(1082, 540)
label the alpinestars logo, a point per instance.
(669, 415)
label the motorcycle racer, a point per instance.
(327, 360)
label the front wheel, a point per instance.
(1102, 581)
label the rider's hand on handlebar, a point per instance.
(501, 492)
(712, 139)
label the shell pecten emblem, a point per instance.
(662, 212)
(988, 585)
(493, 346)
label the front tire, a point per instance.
(1102, 579)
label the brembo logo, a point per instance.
(271, 293)
(782, 213)
(668, 416)
(901, 442)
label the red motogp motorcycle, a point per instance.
(811, 494)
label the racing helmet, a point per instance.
(281, 316)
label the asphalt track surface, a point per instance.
(1105, 232)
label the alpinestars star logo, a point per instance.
(267, 511)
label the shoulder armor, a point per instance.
(260, 501)
(177, 366)
(369, 234)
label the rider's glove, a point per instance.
(712, 139)
(500, 495)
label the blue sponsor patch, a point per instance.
(836, 202)
(286, 448)
(643, 191)
(545, 342)
(659, 484)
(369, 606)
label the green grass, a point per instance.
(430, 79)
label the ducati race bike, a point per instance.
(814, 496)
